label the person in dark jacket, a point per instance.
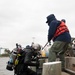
(59, 33)
(23, 60)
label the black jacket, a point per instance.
(25, 60)
(53, 23)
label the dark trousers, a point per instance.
(27, 72)
(60, 48)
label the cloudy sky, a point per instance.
(23, 21)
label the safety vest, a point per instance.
(60, 29)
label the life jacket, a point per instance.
(60, 29)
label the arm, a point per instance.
(28, 59)
(52, 29)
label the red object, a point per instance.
(61, 29)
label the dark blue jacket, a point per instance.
(53, 23)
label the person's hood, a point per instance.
(50, 18)
(28, 47)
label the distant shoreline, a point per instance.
(3, 56)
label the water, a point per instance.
(3, 63)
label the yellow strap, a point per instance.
(18, 54)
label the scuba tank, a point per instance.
(12, 57)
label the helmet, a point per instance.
(36, 46)
(28, 46)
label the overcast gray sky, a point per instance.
(21, 20)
